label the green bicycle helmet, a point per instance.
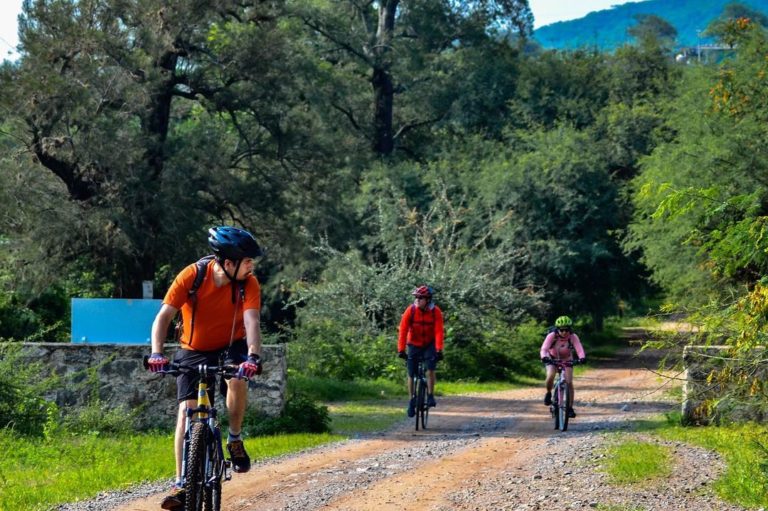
(563, 322)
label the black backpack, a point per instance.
(201, 268)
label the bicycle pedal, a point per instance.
(227, 470)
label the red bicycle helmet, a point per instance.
(423, 292)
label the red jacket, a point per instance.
(419, 328)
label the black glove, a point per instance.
(583, 360)
(402, 355)
(546, 360)
(438, 356)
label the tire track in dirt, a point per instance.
(470, 439)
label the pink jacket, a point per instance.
(558, 347)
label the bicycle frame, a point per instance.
(561, 395)
(203, 467)
(217, 469)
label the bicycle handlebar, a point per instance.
(175, 369)
(562, 363)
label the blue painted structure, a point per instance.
(113, 320)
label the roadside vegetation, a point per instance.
(743, 447)
(39, 473)
(635, 462)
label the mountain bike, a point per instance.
(420, 391)
(561, 394)
(203, 467)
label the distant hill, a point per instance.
(607, 29)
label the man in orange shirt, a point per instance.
(422, 333)
(221, 324)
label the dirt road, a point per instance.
(484, 452)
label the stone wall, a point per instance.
(115, 375)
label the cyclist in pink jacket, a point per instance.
(560, 345)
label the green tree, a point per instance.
(653, 30)
(402, 49)
(702, 214)
(132, 126)
(731, 21)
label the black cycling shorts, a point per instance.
(416, 353)
(186, 384)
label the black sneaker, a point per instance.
(431, 401)
(412, 407)
(174, 501)
(571, 413)
(240, 461)
(548, 398)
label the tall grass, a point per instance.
(36, 474)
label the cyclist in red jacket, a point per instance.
(422, 334)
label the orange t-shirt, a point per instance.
(214, 312)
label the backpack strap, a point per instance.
(570, 342)
(201, 268)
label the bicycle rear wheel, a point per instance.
(563, 406)
(554, 409)
(194, 480)
(420, 400)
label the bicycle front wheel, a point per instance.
(554, 408)
(212, 490)
(194, 480)
(421, 398)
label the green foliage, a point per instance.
(98, 419)
(702, 214)
(23, 410)
(300, 415)
(744, 448)
(653, 30)
(329, 389)
(566, 87)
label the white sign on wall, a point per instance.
(147, 287)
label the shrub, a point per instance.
(95, 420)
(22, 407)
(300, 415)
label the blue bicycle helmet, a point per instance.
(232, 243)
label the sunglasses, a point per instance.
(566, 330)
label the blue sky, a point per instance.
(544, 12)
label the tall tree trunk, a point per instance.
(146, 226)
(383, 103)
(383, 90)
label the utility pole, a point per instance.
(698, 45)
